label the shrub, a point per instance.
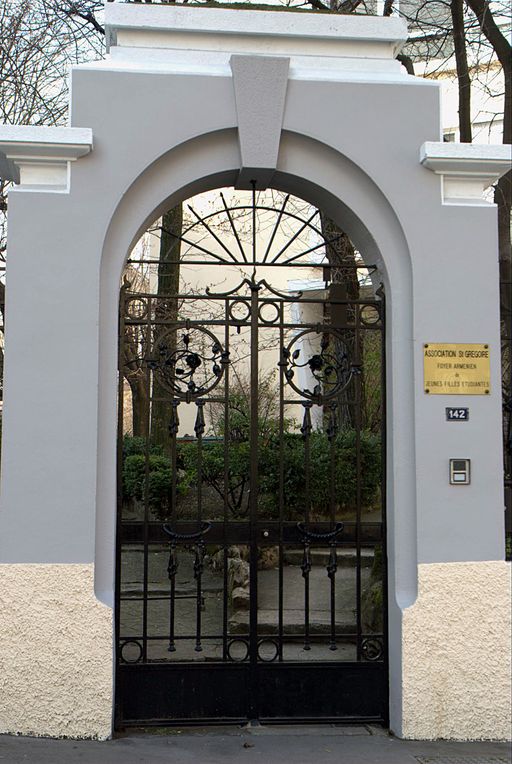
(137, 445)
(158, 483)
(344, 455)
(212, 468)
(345, 472)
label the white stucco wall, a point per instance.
(56, 662)
(456, 653)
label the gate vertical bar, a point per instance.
(306, 560)
(225, 603)
(253, 507)
(172, 568)
(147, 425)
(199, 429)
(357, 361)
(383, 499)
(282, 366)
(332, 431)
(118, 713)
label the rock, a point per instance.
(238, 580)
(216, 560)
(240, 598)
(234, 552)
(238, 573)
(268, 557)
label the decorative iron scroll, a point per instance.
(308, 536)
(305, 242)
(189, 365)
(331, 371)
(197, 539)
(206, 526)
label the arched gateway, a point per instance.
(251, 543)
(195, 99)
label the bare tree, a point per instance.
(475, 33)
(166, 309)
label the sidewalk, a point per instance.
(268, 745)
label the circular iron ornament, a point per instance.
(188, 364)
(268, 312)
(138, 654)
(331, 372)
(370, 315)
(243, 655)
(371, 649)
(136, 308)
(239, 311)
(273, 654)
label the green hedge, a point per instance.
(158, 476)
(212, 466)
(344, 468)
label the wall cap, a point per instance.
(38, 157)
(192, 39)
(466, 169)
(176, 18)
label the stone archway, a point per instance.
(212, 155)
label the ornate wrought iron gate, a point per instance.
(251, 528)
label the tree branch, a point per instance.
(88, 17)
(318, 5)
(503, 50)
(463, 78)
(407, 62)
(500, 44)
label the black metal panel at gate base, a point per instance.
(212, 693)
(251, 576)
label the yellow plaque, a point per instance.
(456, 369)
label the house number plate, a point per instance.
(457, 415)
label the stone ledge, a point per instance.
(466, 169)
(201, 40)
(216, 20)
(38, 157)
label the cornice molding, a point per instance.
(466, 169)
(39, 157)
(201, 40)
